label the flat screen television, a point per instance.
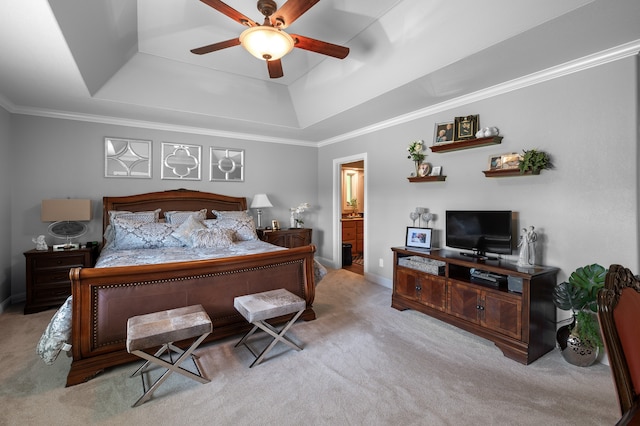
(482, 231)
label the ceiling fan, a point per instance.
(268, 41)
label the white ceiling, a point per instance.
(129, 62)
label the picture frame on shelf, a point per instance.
(510, 161)
(495, 162)
(466, 127)
(424, 169)
(418, 237)
(443, 133)
(436, 171)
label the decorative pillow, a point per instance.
(240, 222)
(147, 216)
(178, 217)
(212, 238)
(184, 231)
(56, 335)
(135, 235)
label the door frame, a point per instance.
(337, 207)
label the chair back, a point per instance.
(619, 317)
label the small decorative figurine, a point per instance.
(527, 247)
(41, 244)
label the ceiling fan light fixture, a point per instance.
(266, 43)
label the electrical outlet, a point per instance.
(381, 263)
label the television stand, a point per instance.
(521, 324)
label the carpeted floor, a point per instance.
(363, 363)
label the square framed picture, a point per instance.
(466, 127)
(495, 162)
(510, 160)
(418, 237)
(443, 133)
(436, 171)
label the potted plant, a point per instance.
(533, 161)
(580, 341)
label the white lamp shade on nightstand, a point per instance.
(260, 201)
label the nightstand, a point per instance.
(47, 280)
(290, 238)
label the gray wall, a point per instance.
(55, 158)
(5, 208)
(585, 209)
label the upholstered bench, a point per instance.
(163, 329)
(260, 307)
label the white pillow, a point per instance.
(241, 222)
(141, 235)
(146, 216)
(212, 238)
(178, 217)
(186, 229)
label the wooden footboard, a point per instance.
(104, 298)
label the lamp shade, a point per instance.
(260, 201)
(266, 42)
(65, 209)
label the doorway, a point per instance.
(352, 212)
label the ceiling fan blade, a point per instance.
(290, 11)
(216, 46)
(318, 46)
(275, 68)
(230, 12)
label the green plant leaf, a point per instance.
(581, 290)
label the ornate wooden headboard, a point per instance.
(177, 199)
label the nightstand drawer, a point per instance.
(52, 293)
(47, 276)
(51, 276)
(68, 260)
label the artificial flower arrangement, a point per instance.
(296, 215)
(416, 153)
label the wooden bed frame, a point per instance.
(104, 298)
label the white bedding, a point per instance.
(57, 335)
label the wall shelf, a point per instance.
(471, 143)
(507, 173)
(415, 179)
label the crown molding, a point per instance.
(601, 58)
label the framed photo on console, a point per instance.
(418, 237)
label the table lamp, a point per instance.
(66, 215)
(260, 201)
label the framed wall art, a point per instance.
(227, 165)
(181, 161)
(510, 160)
(495, 162)
(466, 127)
(443, 133)
(418, 237)
(127, 158)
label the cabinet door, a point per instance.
(407, 283)
(503, 313)
(464, 301)
(428, 289)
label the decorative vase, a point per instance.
(573, 349)
(417, 163)
(292, 218)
